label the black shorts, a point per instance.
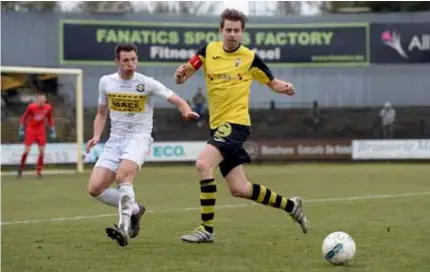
(229, 139)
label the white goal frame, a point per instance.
(79, 101)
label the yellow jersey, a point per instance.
(228, 76)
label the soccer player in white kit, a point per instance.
(127, 95)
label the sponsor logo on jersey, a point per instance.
(140, 88)
(127, 102)
(237, 62)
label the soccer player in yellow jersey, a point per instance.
(229, 70)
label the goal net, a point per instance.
(63, 89)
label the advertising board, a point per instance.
(400, 43)
(65, 153)
(92, 42)
(391, 149)
(300, 150)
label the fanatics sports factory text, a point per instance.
(161, 41)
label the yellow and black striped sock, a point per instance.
(207, 202)
(265, 196)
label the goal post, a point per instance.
(78, 73)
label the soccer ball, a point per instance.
(338, 248)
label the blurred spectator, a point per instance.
(313, 120)
(272, 112)
(4, 113)
(199, 101)
(316, 117)
(388, 116)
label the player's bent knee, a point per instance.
(203, 167)
(240, 188)
(240, 191)
(127, 171)
(100, 180)
(94, 190)
(125, 176)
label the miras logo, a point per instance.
(418, 42)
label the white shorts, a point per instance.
(134, 148)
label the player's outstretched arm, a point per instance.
(158, 89)
(183, 107)
(263, 75)
(280, 86)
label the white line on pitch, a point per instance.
(317, 200)
(33, 173)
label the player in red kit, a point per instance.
(34, 120)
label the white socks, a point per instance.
(111, 197)
(126, 203)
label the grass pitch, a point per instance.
(53, 224)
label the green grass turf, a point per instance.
(249, 237)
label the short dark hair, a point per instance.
(233, 15)
(127, 47)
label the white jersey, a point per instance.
(130, 102)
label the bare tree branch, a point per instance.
(179, 8)
(24, 6)
(289, 7)
(105, 6)
(379, 6)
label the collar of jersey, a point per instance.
(119, 76)
(232, 51)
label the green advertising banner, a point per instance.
(93, 42)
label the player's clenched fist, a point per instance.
(95, 140)
(282, 87)
(288, 89)
(180, 71)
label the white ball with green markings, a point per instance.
(338, 248)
